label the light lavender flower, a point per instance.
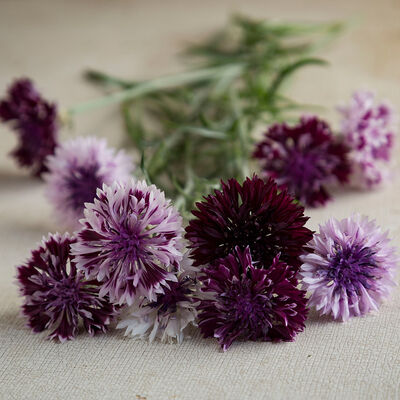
(352, 268)
(167, 317)
(76, 170)
(368, 129)
(130, 241)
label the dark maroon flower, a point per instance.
(253, 214)
(56, 294)
(304, 159)
(242, 302)
(35, 122)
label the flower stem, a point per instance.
(154, 85)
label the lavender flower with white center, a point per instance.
(77, 169)
(130, 241)
(167, 317)
(56, 294)
(352, 268)
(368, 129)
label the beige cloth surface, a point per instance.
(53, 41)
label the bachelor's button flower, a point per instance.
(77, 169)
(242, 302)
(254, 214)
(35, 122)
(304, 159)
(351, 268)
(130, 241)
(368, 129)
(166, 317)
(56, 295)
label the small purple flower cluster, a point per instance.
(368, 129)
(248, 240)
(77, 169)
(260, 303)
(248, 252)
(351, 268)
(304, 159)
(307, 159)
(35, 123)
(128, 255)
(127, 250)
(56, 294)
(249, 259)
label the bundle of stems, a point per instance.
(197, 127)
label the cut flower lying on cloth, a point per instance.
(77, 169)
(304, 158)
(127, 259)
(351, 268)
(35, 122)
(130, 241)
(56, 295)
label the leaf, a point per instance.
(105, 79)
(134, 129)
(290, 69)
(196, 127)
(207, 133)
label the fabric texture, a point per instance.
(53, 42)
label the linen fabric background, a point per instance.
(53, 42)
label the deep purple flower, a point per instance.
(167, 317)
(35, 122)
(242, 302)
(304, 159)
(368, 129)
(253, 214)
(77, 169)
(352, 268)
(131, 241)
(56, 294)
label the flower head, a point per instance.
(304, 159)
(368, 129)
(57, 295)
(77, 169)
(351, 269)
(242, 302)
(130, 241)
(253, 214)
(166, 317)
(35, 122)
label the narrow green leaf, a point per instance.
(289, 70)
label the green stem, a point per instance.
(154, 85)
(241, 145)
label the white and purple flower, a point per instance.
(167, 317)
(351, 269)
(77, 169)
(130, 241)
(368, 129)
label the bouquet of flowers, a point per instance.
(208, 229)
